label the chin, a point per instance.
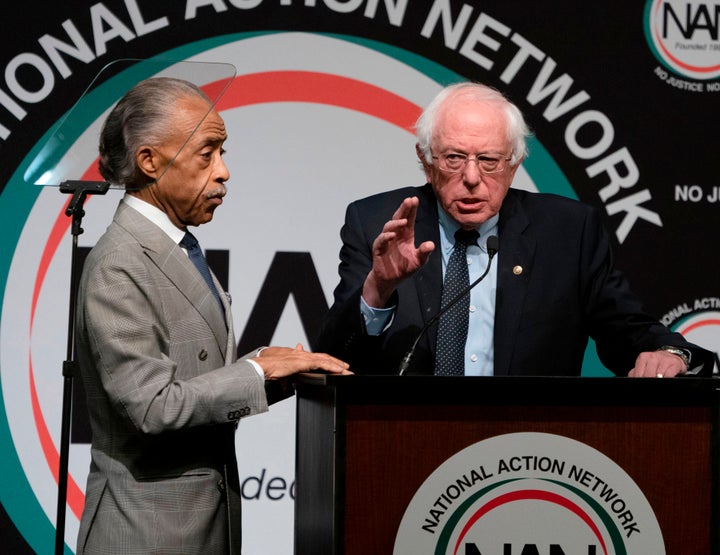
(471, 221)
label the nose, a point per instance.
(472, 176)
(222, 173)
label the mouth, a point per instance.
(216, 196)
(469, 204)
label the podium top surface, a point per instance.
(507, 390)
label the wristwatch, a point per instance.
(684, 354)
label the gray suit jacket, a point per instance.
(165, 392)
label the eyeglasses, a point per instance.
(454, 162)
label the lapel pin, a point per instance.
(517, 270)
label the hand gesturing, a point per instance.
(395, 256)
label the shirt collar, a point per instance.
(448, 227)
(156, 216)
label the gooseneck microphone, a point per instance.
(492, 248)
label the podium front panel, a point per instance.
(383, 437)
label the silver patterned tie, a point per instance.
(198, 259)
(453, 325)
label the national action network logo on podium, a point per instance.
(523, 493)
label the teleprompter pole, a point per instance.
(79, 191)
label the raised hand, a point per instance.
(395, 256)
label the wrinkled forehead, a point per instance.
(190, 111)
(466, 118)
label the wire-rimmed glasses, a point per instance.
(455, 162)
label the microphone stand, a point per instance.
(79, 191)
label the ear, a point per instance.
(426, 167)
(510, 172)
(147, 160)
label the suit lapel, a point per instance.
(231, 346)
(515, 257)
(428, 280)
(172, 261)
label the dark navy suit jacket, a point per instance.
(567, 291)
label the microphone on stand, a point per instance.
(492, 248)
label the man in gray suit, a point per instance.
(155, 341)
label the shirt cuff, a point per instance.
(377, 320)
(257, 366)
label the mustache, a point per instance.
(220, 192)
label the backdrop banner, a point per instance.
(622, 98)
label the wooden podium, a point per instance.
(365, 444)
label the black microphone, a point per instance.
(492, 248)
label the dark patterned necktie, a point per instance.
(198, 259)
(453, 325)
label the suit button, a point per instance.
(221, 486)
(203, 354)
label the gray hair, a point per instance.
(143, 116)
(517, 129)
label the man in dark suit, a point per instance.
(553, 286)
(155, 340)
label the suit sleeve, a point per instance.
(144, 347)
(619, 324)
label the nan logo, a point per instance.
(685, 38)
(699, 322)
(529, 494)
